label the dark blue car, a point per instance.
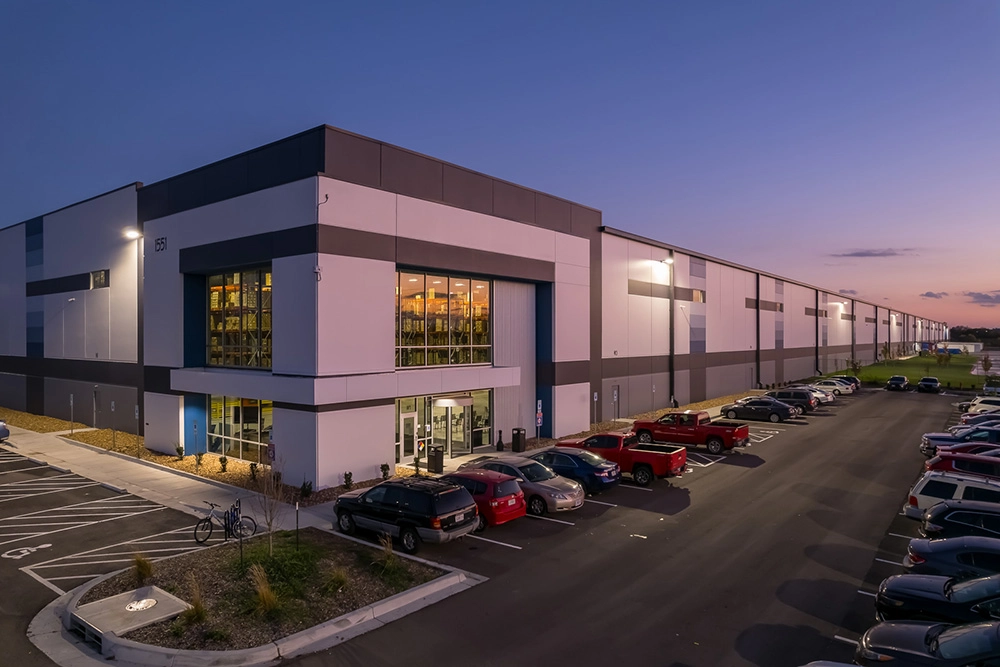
(593, 472)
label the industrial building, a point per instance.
(350, 303)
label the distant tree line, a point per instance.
(988, 337)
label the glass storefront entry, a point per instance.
(458, 422)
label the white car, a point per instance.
(984, 404)
(821, 395)
(835, 386)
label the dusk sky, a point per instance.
(849, 144)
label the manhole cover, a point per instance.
(140, 605)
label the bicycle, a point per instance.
(243, 526)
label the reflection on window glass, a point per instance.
(239, 319)
(240, 427)
(442, 320)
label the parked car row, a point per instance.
(496, 489)
(779, 405)
(945, 611)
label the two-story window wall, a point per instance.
(442, 320)
(239, 427)
(239, 319)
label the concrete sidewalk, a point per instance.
(171, 488)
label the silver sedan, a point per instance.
(544, 490)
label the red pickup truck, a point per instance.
(644, 462)
(694, 428)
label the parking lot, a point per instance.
(755, 558)
(59, 530)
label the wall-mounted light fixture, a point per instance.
(668, 260)
(132, 234)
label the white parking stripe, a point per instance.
(852, 642)
(634, 488)
(866, 593)
(545, 518)
(599, 502)
(890, 562)
(8, 472)
(905, 537)
(503, 544)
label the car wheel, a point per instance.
(346, 523)
(775, 418)
(645, 436)
(642, 475)
(536, 506)
(731, 414)
(714, 445)
(481, 524)
(408, 540)
(583, 485)
(836, 392)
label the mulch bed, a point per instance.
(36, 423)
(326, 577)
(238, 472)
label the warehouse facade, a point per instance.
(337, 303)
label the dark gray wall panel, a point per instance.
(510, 201)
(13, 391)
(353, 159)
(553, 213)
(468, 190)
(412, 175)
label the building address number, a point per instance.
(160, 244)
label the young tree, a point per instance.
(271, 500)
(987, 364)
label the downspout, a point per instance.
(670, 357)
(757, 346)
(816, 360)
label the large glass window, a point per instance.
(442, 320)
(240, 427)
(239, 319)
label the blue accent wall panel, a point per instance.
(544, 394)
(195, 322)
(195, 412)
(544, 313)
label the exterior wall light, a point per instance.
(668, 260)
(132, 234)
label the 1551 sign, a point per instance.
(160, 244)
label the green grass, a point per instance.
(956, 373)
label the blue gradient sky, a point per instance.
(851, 144)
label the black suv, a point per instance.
(800, 398)
(958, 518)
(412, 509)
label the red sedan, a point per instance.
(498, 496)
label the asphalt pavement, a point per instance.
(755, 558)
(59, 530)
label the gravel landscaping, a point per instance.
(36, 423)
(322, 578)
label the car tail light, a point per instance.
(436, 523)
(930, 463)
(915, 558)
(913, 501)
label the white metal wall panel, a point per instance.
(356, 316)
(514, 346)
(295, 312)
(572, 406)
(614, 304)
(356, 441)
(164, 415)
(800, 329)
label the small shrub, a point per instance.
(335, 582)
(177, 628)
(306, 489)
(253, 472)
(267, 599)
(179, 448)
(387, 558)
(196, 613)
(216, 634)
(143, 568)
(197, 459)
(390, 567)
(385, 470)
(348, 480)
(223, 462)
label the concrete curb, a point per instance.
(48, 630)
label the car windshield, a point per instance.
(929, 380)
(973, 589)
(536, 472)
(896, 378)
(590, 457)
(964, 641)
(452, 500)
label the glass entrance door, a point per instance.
(408, 434)
(460, 419)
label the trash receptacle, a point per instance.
(435, 459)
(517, 443)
